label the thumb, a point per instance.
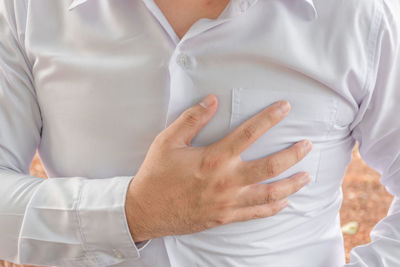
(191, 121)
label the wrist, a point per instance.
(135, 216)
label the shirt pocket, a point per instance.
(312, 117)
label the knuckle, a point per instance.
(271, 117)
(226, 151)
(272, 167)
(222, 185)
(221, 220)
(272, 194)
(258, 213)
(223, 207)
(161, 139)
(248, 132)
(210, 162)
(190, 118)
(223, 213)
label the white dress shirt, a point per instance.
(90, 83)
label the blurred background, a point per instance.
(365, 202)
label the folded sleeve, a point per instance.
(66, 221)
(377, 130)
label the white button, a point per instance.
(182, 60)
(118, 254)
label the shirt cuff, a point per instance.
(103, 223)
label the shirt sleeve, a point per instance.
(377, 130)
(66, 221)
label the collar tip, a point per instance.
(75, 3)
(312, 13)
(71, 7)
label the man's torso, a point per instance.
(110, 75)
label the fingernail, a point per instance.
(207, 101)
(307, 146)
(284, 107)
(284, 203)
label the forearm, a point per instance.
(63, 221)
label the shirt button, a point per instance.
(118, 254)
(182, 60)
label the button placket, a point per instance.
(179, 65)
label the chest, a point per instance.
(100, 60)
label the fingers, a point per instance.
(248, 132)
(191, 121)
(255, 171)
(259, 211)
(259, 194)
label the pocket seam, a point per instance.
(332, 123)
(331, 115)
(235, 109)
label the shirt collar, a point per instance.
(305, 6)
(76, 3)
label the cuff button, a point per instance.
(118, 254)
